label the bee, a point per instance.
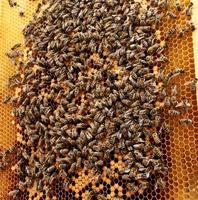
(101, 197)
(21, 14)
(39, 185)
(12, 3)
(170, 33)
(133, 171)
(156, 138)
(90, 195)
(174, 112)
(138, 146)
(125, 171)
(192, 84)
(64, 151)
(186, 121)
(7, 99)
(98, 154)
(13, 193)
(182, 31)
(38, 8)
(63, 166)
(157, 152)
(143, 185)
(14, 54)
(189, 9)
(164, 128)
(51, 169)
(173, 74)
(162, 59)
(184, 104)
(99, 163)
(191, 26)
(3, 165)
(126, 177)
(174, 90)
(140, 176)
(25, 155)
(146, 161)
(162, 94)
(138, 155)
(160, 75)
(177, 5)
(173, 100)
(16, 46)
(13, 149)
(72, 168)
(48, 192)
(133, 188)
(171, 15)
(160, 183)
(165, 4)
(152, 49)
(22, 186)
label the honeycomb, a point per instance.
(180, 147)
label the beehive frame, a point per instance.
(180, 148)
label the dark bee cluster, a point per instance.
(87, 89)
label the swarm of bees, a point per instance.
(87, 91)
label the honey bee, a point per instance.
(22, 186)
(48, 192)
(25, 155)
(7, 99)
(21, 13)
(72, 168)
(90, 195)
(174, 90)
(143, 185)
(171, 15)
(13, 193)
(173, 100)
(133, 188)
(170, 33)
(160, 75)
(192, 84)
(12, 3)
(125, 171)
(178, 6)
(184, 104)
(157, 152)
(189, 9)
(182, 31)
(138, 155)
(40, 185)
(153, 48)
(173, 74)
(51, 169)
(160, 183)
(139, 146)
(64, 151)
(146, 161)
(16, 46)
(156, 138)
(186, 121)
(101, 197)
(162, 59)
(125, 177)
(173, 112)
(140, 176)
(191, 26)
(13, 149)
